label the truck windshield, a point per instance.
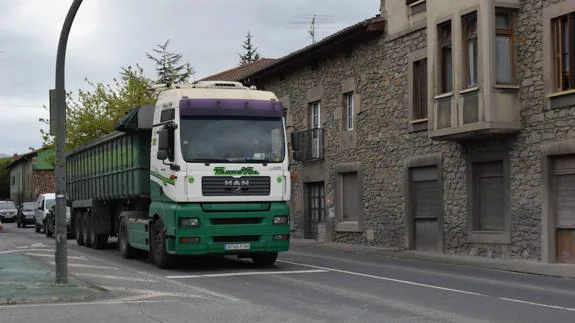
(232, 139)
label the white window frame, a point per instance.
(349, 110)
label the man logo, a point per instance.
(236, 182)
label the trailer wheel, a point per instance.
(162, 259)
(79, 228)
(126, 251)
(86, 230)
(265, 259)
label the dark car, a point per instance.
(51, 222)
(8, 211)
(25, 214)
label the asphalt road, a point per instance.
(308, 284)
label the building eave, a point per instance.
(367, 28)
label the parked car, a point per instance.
(26, 213)
(43, 204)
(8, 211)
(50, 222)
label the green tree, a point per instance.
(168, 66)
(250, 52)
(93, 113)
(5, 178)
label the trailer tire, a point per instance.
(162, 258)
(126, 250)
(99, 241)
(79, 228)
(86, 230)
(265, 259)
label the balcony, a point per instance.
(474, 114)
(308, 145)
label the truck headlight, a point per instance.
(281, 220)
(189, 222)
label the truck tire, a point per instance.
(79, 228)
(265, 259)
(126, 251)
(86, 234)
(99, 241)
(162, 259)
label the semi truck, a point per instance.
(204, 170)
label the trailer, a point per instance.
(202, 171)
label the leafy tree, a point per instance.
(94, 113)
(5, 178)
(168, 66)
(251, 54)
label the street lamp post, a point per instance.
(61, 236)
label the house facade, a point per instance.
(31, 174)
(444, 126)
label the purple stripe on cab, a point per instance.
(230, 107)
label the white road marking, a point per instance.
(20, 250)
(249, 273)
(537, 304)
(173, 282)
(52, 256)
(384, 278)
(34, 245)
(115, 277)
(427, 285)
(116, 302)
(86, 266)
(147, 293)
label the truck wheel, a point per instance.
(162, 259)
(79, 230)
(265, 259)
(99, 241)
(126, 251)
(86, 230)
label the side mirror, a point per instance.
(162, 154)
(294, 141)
(163, 144)
(297, 155)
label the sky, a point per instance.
(109, 34)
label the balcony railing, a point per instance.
(307, 145)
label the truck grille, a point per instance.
(229, 186)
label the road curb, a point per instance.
(516, 266)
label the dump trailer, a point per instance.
(202, 171)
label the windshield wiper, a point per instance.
(207, 161)
(254, 160)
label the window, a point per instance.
(420, 89)
(315, 116)
(469, 23)
(445, 58)
(505, 45)
(488, 196)
(349, 111)
(349, 196)
(416, 6)
(563, 31)
(315, 125)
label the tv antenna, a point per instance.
(312, 21)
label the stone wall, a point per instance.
(384, 141)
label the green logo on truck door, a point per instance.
(244, 171)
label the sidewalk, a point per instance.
(25, 280)
(521, 266)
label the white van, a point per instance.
(43, 204)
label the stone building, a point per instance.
(31, 174)
(446, 126)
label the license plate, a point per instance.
(237, 246)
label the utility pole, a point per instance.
(61, 237)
